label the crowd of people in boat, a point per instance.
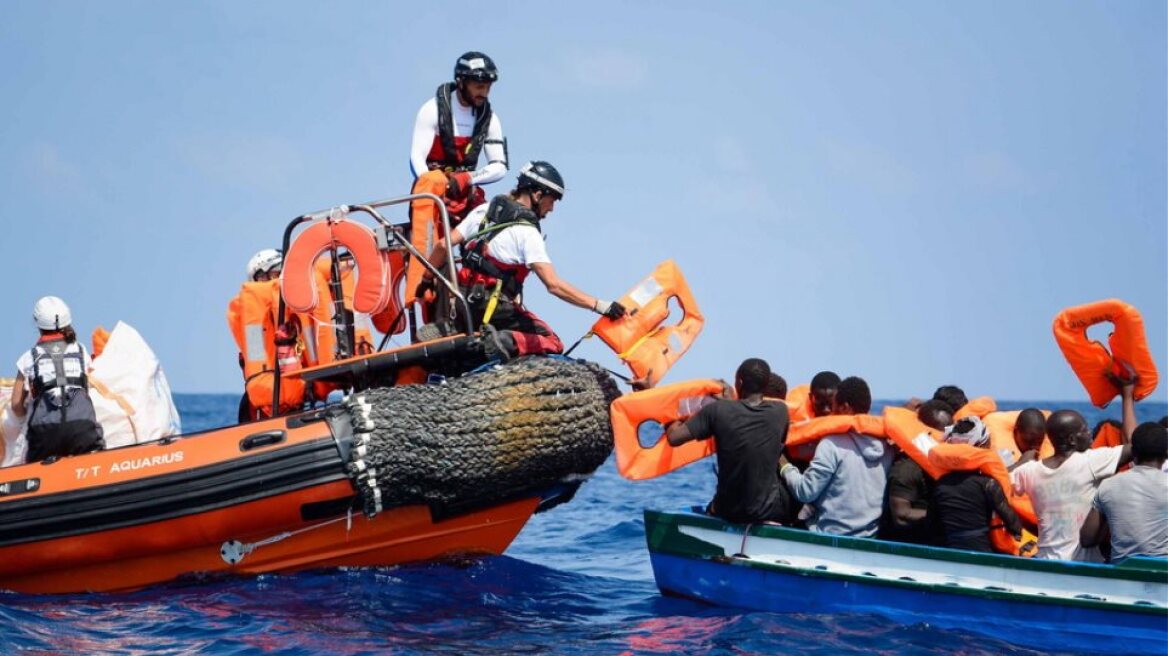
(1092, 504)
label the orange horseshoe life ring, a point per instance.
(1091, 361)
(639, 338)
(661, 405)
(371, 294)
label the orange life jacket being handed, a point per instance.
(639, 338)
(1091, 361)
(646, 413)
(252, 318)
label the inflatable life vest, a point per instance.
(252, 318)
(639, 338)
(299, 279)
(649, 411)
(478, 265)
(392, 320)
(937, 458)
(815, 429)
(799, 403)
(451, 153)
(966, 457)
(1109, 435)
(99, 338)
(1001, 428)
(979, 407)
(1091, 361)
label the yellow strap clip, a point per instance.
(493, 302)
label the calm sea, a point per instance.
(577, 580)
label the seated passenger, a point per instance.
(824, 386)
(951, 395)
(814, 400)
(909, 512)
(967, 500)
(1133, 505)
(844, 484)
(749, 433)
(53, 377)
(776, 388)
(1029, 432)
(1063, 486)
(503, 243)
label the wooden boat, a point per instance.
(1045, 604)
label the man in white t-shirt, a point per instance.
(1063, 486)
(452, 129)
(503, 242)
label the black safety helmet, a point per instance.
(475, 66)
(541, 176)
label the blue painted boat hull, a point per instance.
(1048, 627)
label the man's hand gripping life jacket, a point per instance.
(639, 338)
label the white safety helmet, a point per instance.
(51, 313)
(263, 262)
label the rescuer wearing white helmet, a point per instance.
(52, 379)
(265, 265)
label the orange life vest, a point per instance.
(1001, 428)
(966, 457)
(425, 227)
(100, 338)
(799, 403)
(633, 413)
(252, 318)
(812, 430)
(979, 407)
(1109, 435)
(1091, 361)
(639, 338)
(937, 458)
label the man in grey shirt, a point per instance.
(1134, 504)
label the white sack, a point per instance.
(130, 393)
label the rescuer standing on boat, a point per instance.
(503, 243)
(451, 131)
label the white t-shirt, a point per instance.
(1062, 498)
(518, 244)
(426, 128)
(24, 366)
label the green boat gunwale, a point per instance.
(663, 535)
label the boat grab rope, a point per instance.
(234, 551)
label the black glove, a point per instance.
(426, 285)
(614, 311)
(458, 186)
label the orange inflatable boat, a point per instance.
(351, 483)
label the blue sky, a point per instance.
(903, 191)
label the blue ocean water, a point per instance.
(577, 580)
